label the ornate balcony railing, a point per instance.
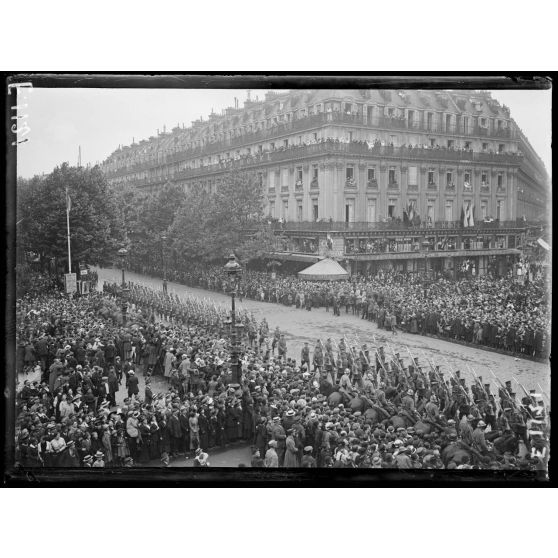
(339, 148)
(372, 184)
(363, 226)
(312, 121)
(314, 185)
(350, 183)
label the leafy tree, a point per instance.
(95, 228)
(147, 218)
(209, 226)
(240, 197)
(256, 244)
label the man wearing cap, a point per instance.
(112, 381)
(433, 411)
(402, 458)
(133, 384)
(345, 385)
(261, 435)
(282, 347)
(305, 355)
(479, 442)
(278, 435)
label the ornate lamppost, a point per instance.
(122, 254)
(164, 239)
(233, 270)
(425, 246)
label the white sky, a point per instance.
(100, 119)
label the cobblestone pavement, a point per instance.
(300, 326)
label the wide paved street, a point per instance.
(300, 326)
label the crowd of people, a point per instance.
(500, 313)
(375, 146)
(340, 405)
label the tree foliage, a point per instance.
(95, 228)
(200, 224)
(208, 226)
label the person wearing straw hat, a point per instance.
(99, 462)
(271, 458)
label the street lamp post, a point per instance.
(122, 253)
(233, 269)
(425, 246)
(164, 239)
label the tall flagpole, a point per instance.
(68, 229)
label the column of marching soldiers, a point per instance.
(376, 374)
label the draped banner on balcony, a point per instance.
(410, 214)
(468, 215)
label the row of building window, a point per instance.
(392, 176)
(392, 211)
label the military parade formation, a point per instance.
(345, 402)
(493, 312)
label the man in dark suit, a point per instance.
(175, 432)
(133, 384)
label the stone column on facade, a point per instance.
(291, 198)
(339, 191)
(360, 198)
(383, 193)
(423, 191)
(306, 203)
(326, 191)
(438, 206)
(511, 194)
(320, 193)
(403, 185)
(457, 201)
(493, 187)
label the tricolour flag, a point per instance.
(471, 215)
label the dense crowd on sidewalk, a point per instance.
(494, 312)
(337, 406)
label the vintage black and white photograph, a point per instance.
(282, 278)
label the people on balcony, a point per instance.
(377, 146)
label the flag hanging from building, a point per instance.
(414, 217)
(405, 217)
(471, 214)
